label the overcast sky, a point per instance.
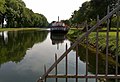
(51, 9)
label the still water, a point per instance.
(23, 55)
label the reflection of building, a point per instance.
(57, 38)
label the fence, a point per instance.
(75, 46)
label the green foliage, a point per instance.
(73, 34)
(90, 9)
(67, 22)
(19, 42)
(2, 7)
(17, 14)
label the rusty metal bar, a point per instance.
(84, 76)
(45, 72)
(117, 39)
(66, 63)
(76, 63)
(86, 52)
(78, 40)
(107, 42)
(97, 50)
(56, 80)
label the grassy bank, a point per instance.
(72, 34)
(102, 41)
(18, 29)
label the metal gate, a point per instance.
(98, 77)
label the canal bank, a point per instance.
(73, 34)
(21, 29)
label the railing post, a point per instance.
(86, 52)
(107, 42)
(117, 39)
(77, 63)
(56, 67)
(45, 71)
(66, 65)
(97, 30)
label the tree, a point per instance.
(14, 12)
(90, 9)
(17, 15)
(2, 11)
(100, 7)
(82, 14)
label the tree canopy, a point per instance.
(17, 14)
(90, 9)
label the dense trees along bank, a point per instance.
(16, 14)
(89, 11)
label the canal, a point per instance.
(23, 55)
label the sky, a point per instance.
(51, 9)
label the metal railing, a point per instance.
(75, 45)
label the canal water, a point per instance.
(23, 55)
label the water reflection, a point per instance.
(57, 38)
(101, 63)
(4, 36)
(24, 53)
(22, 58)
(13, 45)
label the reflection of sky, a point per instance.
(31, 67)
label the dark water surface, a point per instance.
(23, 55)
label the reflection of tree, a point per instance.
(101, 61)
(18, 42)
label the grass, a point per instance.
(102, 41)
(113, 28)
(72, 34)
(18, 29)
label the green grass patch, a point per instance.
(18, 29)
(73, 34)
(113, 28)
(102, 41)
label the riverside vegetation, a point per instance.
(17, 15)
(74, 33)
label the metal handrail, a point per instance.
(78, 40)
